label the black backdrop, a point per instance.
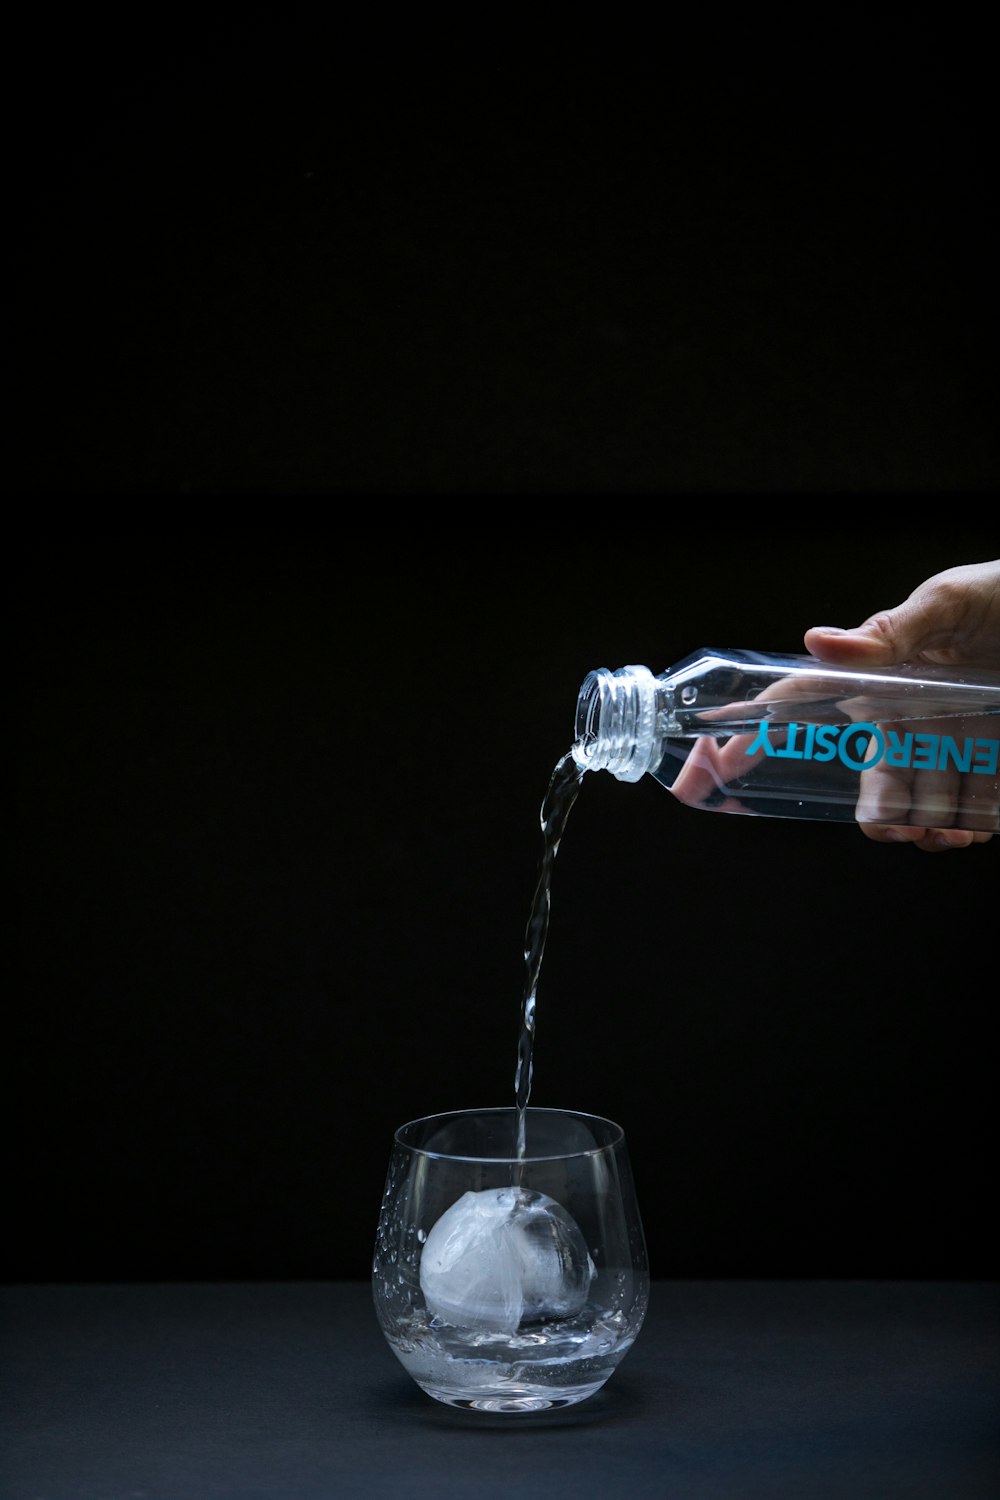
(365, 403)
(276, 834)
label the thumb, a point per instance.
(922, 626)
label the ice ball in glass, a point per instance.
(505, 1257)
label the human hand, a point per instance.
(952, 619)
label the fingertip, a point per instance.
(882, 833)
(937, 841)
(862, 644)
(823, 640)
(951, 838)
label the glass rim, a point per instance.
(616, 1131)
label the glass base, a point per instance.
(542, 1368)
(513, 1398)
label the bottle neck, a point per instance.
(616, 723)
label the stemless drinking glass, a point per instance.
(510, 1281)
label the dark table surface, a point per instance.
(805, 1389)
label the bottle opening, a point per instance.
(615, 720)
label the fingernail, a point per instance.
(831, 629)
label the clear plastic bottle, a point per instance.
(794, 737)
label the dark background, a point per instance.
(371, 390)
